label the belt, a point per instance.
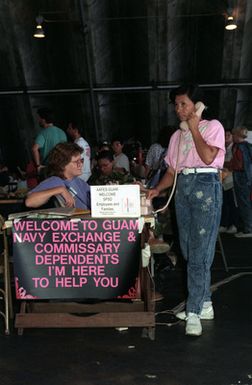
(200, 170)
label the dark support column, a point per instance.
(85, 29)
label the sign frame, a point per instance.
(115, 201)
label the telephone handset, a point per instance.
(199, 109)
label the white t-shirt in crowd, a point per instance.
(249, 137)
(86, 170)
(122, 161)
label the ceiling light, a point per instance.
(39, 32)
(230, 25)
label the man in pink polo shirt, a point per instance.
(196, 154)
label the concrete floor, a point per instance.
(221, 356)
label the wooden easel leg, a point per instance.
(6, 293)
(7, 277)
(149, 305)
(148, 333)
(11, 312)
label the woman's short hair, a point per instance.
(193, 91)
(60, 156)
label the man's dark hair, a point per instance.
(46, 113)
(105, 155)
(75, 126)
(117, 139)
(193, 91)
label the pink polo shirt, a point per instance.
(213, 133)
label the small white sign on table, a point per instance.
(115, 201)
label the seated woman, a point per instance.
(64, 168)
(106, 173)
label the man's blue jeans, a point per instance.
(243, 192)
(198, 202)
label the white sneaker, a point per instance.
(207, 313)
(232, 230)
(243, 235)
(193, 325)
(222, 229)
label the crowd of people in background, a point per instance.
(104, 163)
(109, 163)
(237, 184)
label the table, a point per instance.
(11, 205)
(98, 260)
(6, 201)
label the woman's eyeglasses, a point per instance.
(78, 161)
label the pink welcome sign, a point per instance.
(88, 258)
